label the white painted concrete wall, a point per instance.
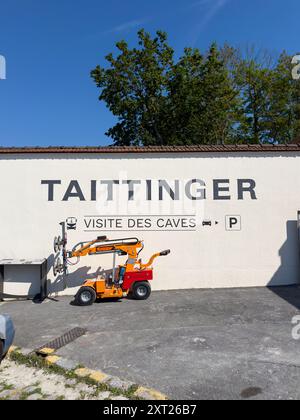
(263, 252)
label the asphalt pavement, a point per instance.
(188, 344)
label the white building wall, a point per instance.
(263, 252)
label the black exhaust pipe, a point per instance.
(165, 253)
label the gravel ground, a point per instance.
(20, 382)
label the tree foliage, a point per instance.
(222, 96)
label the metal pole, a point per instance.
(64, 251)
(298, 226)
(1, 282)
(114, 268)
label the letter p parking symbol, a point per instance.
(233, 223)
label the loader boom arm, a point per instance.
(151, 260)
(128, 246)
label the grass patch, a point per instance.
(24, 395)
(5, 387)
(38, 362)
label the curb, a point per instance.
(96, 376)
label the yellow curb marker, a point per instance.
(12, 349)
(51, 360)
(98, 376)
(149, 394)
(46, 350)
(83, 372)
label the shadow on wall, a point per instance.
(74, 279)
(290, 264)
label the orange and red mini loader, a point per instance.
(131, 279)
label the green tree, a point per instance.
(134, 88)
(185, 91)
(220, 100)
(222, 96)
(253, 81)
(160, 102)
(284, 111)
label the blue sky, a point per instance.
(50, 47)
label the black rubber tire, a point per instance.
(84, 293)
(141, 286)
(1, 350)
